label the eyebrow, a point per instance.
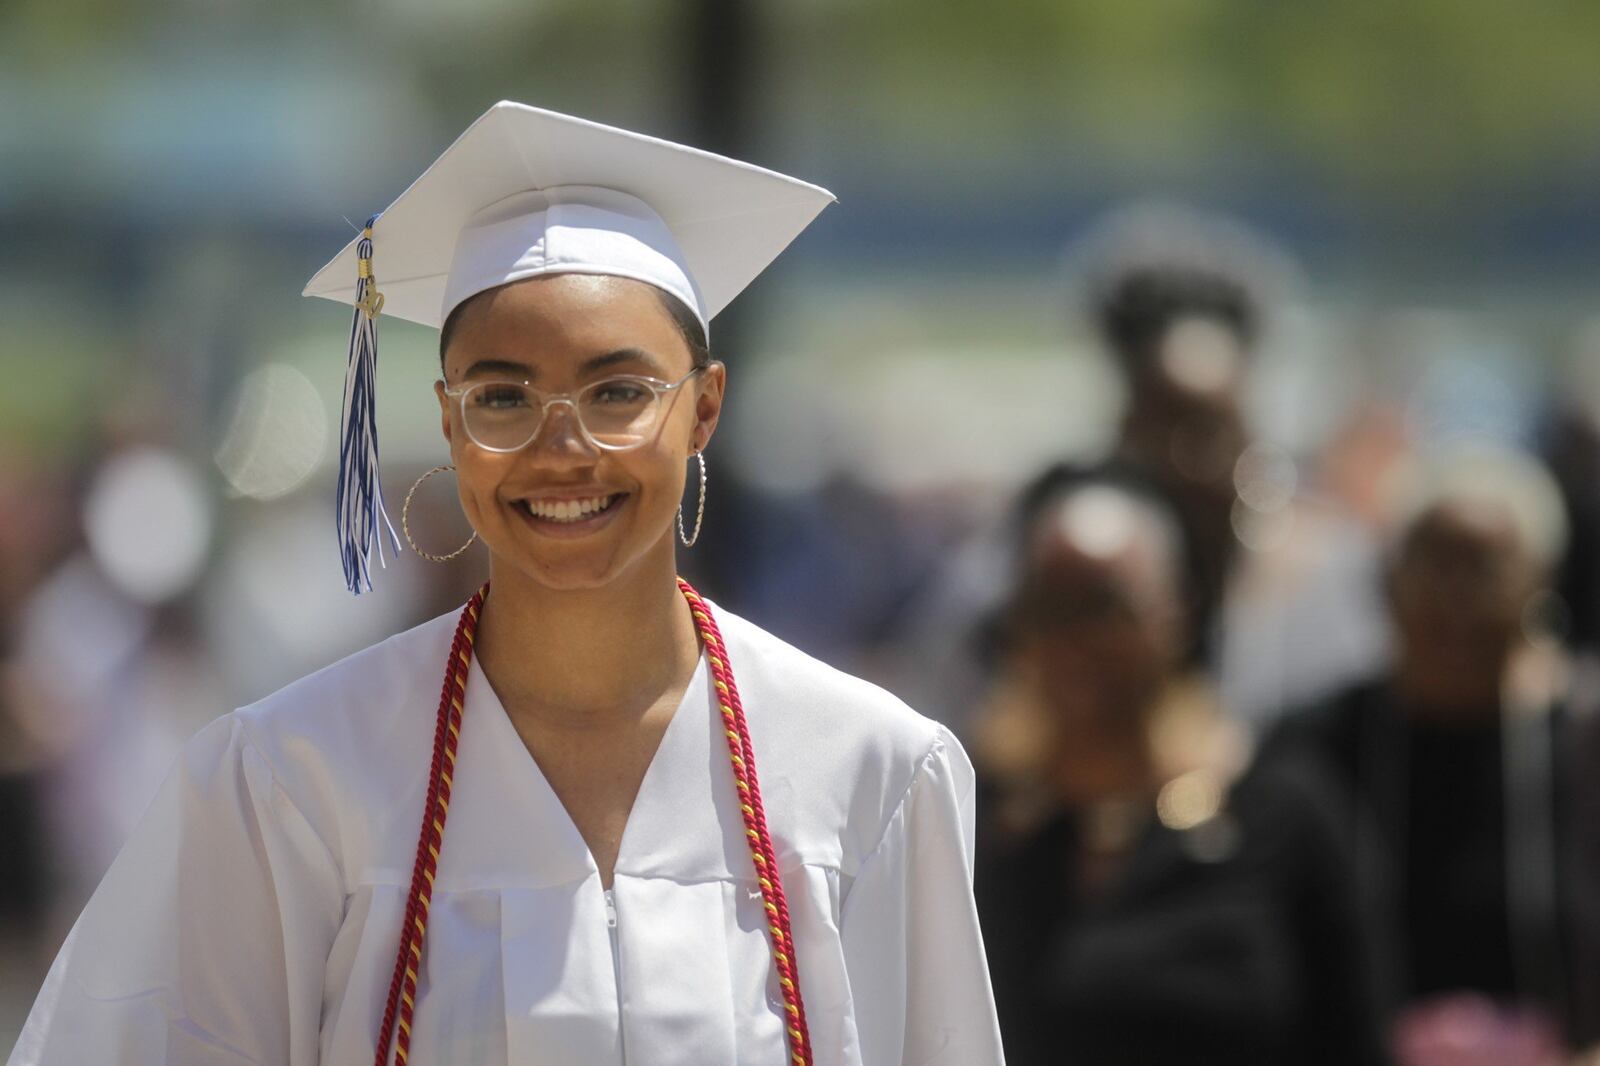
(621, 355)
(498, 366)
(527, 372)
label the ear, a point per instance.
(709, 392)
(444, 411)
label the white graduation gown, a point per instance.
(253, 916)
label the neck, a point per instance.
(594, 656)
(1452, 691)
(1114, 763)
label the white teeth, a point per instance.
(567, 510)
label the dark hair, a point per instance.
(995, 630)
(1063, 479)
(694, 335)
(1137, 307)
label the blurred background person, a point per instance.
(1568, 440)
(1462, 765)
(32, 541)
(1186, 303)
(1148, 894)
(1178, 302)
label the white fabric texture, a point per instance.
(572, 229)
(253, 917)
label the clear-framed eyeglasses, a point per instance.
(614, 414)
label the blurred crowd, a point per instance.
(1390, 852)
(1285, 750)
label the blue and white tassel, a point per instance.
(359, 498)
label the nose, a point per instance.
(561, 435)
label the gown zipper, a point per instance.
(616, 969)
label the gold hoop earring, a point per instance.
(405, 523)
(700, 511)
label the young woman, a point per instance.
(591, 819)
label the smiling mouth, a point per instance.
(570, 512)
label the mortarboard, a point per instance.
(524, 192)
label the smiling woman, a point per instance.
(616, 885)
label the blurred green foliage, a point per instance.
(1387, 95)
(1392, 97)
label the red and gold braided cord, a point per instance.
(408, 960)
(743, 758)
(402, 1001)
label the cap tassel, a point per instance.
(359, 498)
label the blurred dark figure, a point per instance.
(1585, 817)
(1571, 446)
(1463, 769)
(1147, 895)
(1181, 330)
(37, 531)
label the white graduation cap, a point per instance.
(525, 192)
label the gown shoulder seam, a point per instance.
(935, 749)
(248, 743)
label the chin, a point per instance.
(571, 578)
(577, 566)
(564, 571)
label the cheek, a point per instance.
(478, 477)
(1427, 606)
(656, 474)
(1097, 659)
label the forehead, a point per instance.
(1098, 536)
(554, 323)
(1466, 527)
(1076, 549)
(1200, 355)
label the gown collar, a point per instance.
(508, 828)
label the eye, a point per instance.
(499, 397)
(619, 392)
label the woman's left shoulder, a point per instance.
(838, 755)
(788, 688)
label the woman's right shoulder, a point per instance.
(361, 695)
(347, 743)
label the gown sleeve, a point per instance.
(206, 941)
(910, 929)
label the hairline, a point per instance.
(683, 317)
